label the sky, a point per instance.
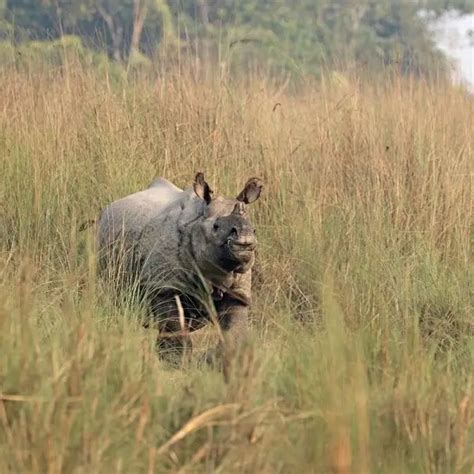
(452, 38)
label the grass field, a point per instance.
(362, 350)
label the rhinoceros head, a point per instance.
(224, 239)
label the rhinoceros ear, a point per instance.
(251, 191)
(202, 189)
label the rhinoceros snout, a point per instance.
(245, 242)
(242, 241)
(242, 236)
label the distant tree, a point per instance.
(305, 34)
(442, 6)
(294, 35)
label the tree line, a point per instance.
(292, 35)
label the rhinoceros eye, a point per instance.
(215, 226)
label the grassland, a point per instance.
(361, 356)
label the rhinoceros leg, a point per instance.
(173, 341)
(173, 347)
(233, 320)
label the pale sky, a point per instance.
(452, 37)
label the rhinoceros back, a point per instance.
(121, 223)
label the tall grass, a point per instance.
(361, 354)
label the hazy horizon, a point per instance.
(453, 38)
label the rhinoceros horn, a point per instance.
(239, 209)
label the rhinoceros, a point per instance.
(190, 254)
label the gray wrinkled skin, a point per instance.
(184, 244)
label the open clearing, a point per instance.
(361, 358)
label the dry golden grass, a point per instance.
(361, 358)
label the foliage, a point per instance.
(288, 35)
(306, 35)
(60, 54)
(362, 352)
